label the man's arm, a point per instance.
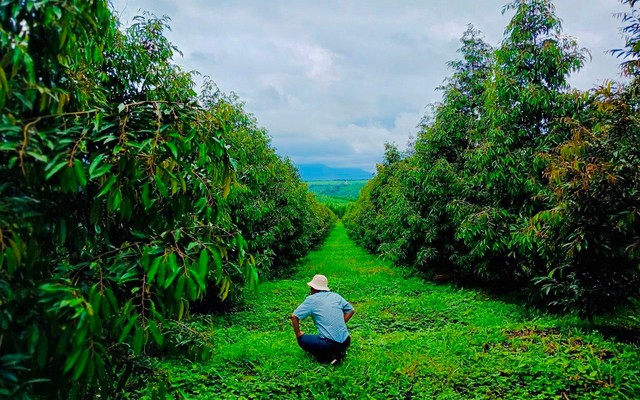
(348, 316)
(295, 322)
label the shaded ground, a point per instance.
(410, 339)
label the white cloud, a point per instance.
(447, 30)
(317, 61)
(334, 80)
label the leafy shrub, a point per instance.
(113, 209)
(517, 180)
(591, 235)
(525, 95)
(269, 204)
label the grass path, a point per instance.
(410, 339)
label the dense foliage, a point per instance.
(516, 179)
(347, 190)
(337, 195)
(270, 204)
(120, 200)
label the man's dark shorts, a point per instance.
(324, 349)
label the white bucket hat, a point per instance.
(319, 282)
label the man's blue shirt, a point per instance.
(327, 310)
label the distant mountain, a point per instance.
(320, 172)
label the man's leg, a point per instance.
(340, 351)
(344, 346)
(320, 348)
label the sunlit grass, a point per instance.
(337, 191)
(410, 339)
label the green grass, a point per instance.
(339, 182)
(344, 190)
(333, 200)
(410, 339)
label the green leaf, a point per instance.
(145, 259)
(173, 261)
(162, 271)
(173, 149)
(100, 171)
(82, 362)
(80, 174)
(192, 286)
(227, 184)
(91, 370)
(154, 268)
(55, 169)
(69, 181)
(107, 186)
(96, 299)
(218, 262)
(138, 342)
(171, 278)
(28, 63)
(224, 289)
(38, 156)
(180, 287)
(100, 367)
(16, 246)
(146, 200)
(161, 186)
(199, 279)
(130, 275)
(73, 357)
(155, 332)
(112, 299)
(127, 328)
(4, 85)
(57, 11)
(203, 264)
(26, 101)
(81, 330)
(94, 165)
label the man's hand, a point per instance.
(348, 316)
(295, 322)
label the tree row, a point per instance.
(126, 198)
(515, 179)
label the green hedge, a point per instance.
(516, 179)
(124, 197)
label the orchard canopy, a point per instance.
(126, 198)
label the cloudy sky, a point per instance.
(333, 80)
